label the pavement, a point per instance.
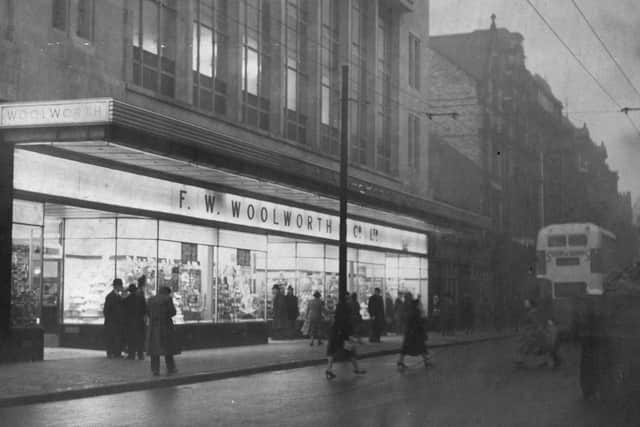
(73, 374)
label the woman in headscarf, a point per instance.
(341, 341)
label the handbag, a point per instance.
(349, 345)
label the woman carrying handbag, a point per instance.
(341, 341)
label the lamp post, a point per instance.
(344, 162)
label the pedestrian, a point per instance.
(376, 313)
(436, 314)
(388, 312)
(293, 311)
(114, 320)
(279, 324)
(135, 309)
(398, 314)
(162, 340)
(413, 342)
(341, 341)
(531, 339)
(356, 317)
(314, 317)
(468, 314)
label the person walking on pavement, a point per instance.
(279, 312)
(342, 341)
(314, 317)
(135, 308)
(532, 338)
(114, 320)
(376, 312)
(291, 303)
(413, 342)
(162, 340)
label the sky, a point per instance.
(617, 22)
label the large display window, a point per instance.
(26, 274)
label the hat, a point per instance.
(132, 288)
(316, 294)
(117, 283)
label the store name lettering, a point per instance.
(276, 217)
(73, 113)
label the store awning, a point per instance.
(91, 130)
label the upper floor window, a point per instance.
(210, 52)
(60, 14)
(296, 76)
(154, 45)
(255, 41)
(414, 61)
(413, 146)
(359, 142)
(383, 93)
(85, 19)
(329, 82)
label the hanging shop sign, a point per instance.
(44, 174)
(59, 113)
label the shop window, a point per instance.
(26, 275)
(89, 268)
(154, 45)
(210, 53)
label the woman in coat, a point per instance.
(413, 343)
(341, 341)
(162, 341)
(314, 317)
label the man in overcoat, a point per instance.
(162, 340)
(135, 308)
(376, 312)
(114, 320)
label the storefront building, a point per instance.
(78, 222)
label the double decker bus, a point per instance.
(573, 260)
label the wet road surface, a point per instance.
(471, 385)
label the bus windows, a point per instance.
(577, 240)
(557, 240)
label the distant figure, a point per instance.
(162, 340)
(468, 314)
(388, 312)
(291, 302)
(342, 341)
(413, 343)
(532, 338)
(355, 316)
(398, 315)
(114, 320)
(135, 308)
(279, 324)
(436, 320)
(376, 312)
(314, 317)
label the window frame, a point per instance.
(329, 81)
(413, 142)
(88, 24)
(414, 61)
(55, 6)
(295, 121)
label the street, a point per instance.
(472, 385)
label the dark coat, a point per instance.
(341, 330)
(376, 308)
(113, 313)
(292, 307)
(279, 311)
(413, 343)
(162, 340)
(135, 308)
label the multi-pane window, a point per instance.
(413, 145)
(85, 19)
(296, 76)
(210, 49)
(60, 14)
(414, 61)
(383, 93)
(255, 41)
(329, 83)
(154, 45)
(357, 83)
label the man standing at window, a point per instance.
(114, 320)
(292, 311)
(376, 312)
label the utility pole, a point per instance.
(541, 188)
(344, 162)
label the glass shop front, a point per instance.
(220, 254)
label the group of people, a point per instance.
(538, 337)
(133, 323)
(343, 337)
(285, 312)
